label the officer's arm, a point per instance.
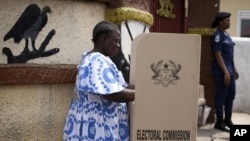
(223, 67)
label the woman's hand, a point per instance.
(125, 95)
(227, 79)
(236, 74)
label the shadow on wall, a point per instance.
(28, 26)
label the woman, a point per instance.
(224, 71)
(100, 112)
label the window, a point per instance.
(243, 28)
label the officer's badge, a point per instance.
(217, 38)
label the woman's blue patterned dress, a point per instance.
(91, 117)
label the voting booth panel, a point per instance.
(165, 69)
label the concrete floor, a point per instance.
(208, 133)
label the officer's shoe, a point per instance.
(222, 126)
(229, 122)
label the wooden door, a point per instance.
(169, 16)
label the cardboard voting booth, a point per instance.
(165, 70)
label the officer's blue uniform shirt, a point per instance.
(221, 41)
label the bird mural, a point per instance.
(27, 27)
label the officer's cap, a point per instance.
(220, 16)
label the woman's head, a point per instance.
(106, 38)
(222, 19)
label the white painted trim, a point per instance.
(242, 14)
(136, 28)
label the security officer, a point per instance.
(224, 71)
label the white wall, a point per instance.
(242, 61)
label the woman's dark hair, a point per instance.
(103, 27)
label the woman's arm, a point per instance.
(220, 61)
(130, 86)
(125, 95)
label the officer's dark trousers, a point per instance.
(224, 97)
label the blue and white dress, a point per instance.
(91, 117)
